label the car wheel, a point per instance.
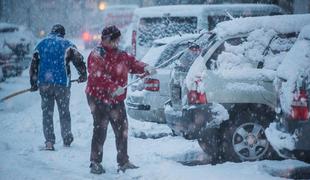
(244, 139)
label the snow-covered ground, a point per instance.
(159, 158)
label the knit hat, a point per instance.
(111, 32)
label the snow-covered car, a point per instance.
(289, 135)
(145, 100)
(227, 98)
(16, 44)
(151, 23)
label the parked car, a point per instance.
(151, 23)
(227, 98)
(16, 44)
(146, 98)
(289, 135)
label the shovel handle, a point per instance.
(14, 94)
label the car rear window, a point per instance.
(160, 27)
(260, 49)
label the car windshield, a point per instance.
(160, 27)
(170, 51)
(195, 48)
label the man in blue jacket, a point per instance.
(50, 73)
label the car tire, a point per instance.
(244, 139)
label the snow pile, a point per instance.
(219, 114)
(278, 139)
(295, 64)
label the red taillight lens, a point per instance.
(134, 42)
(86, 36)
(195, 97)
(300, 109)
(151, 84)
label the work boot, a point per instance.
(96, 168)
(68, 140)
(126, 166)
(48, 146)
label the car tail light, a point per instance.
(151, 84)
(300, 109)
(86, 36)
(196, 97)
(134, 42)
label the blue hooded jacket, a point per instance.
(52, 65)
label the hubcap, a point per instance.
(249, 141)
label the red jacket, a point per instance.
(108, 68)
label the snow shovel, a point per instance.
(22, 92)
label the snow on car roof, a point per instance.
(281, 24)
(187, 10)
(295, 63)
(175, 38)
(179, 10)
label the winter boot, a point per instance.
(48, 147)
(68, 140)
(126, 166)
(96, 168)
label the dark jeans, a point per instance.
(103, 114)
(60, 94)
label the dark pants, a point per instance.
(103, 114)
(60, 94)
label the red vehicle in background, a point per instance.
(118, 15)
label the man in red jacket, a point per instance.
(108, 69)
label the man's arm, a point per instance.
(33, 71)
(77, 59)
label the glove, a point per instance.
(119, 91)
(150, 70)
(34, 88)
(82, 79)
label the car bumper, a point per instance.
(288, 137)
(144, 112)
(301, 130)
(190, 121)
